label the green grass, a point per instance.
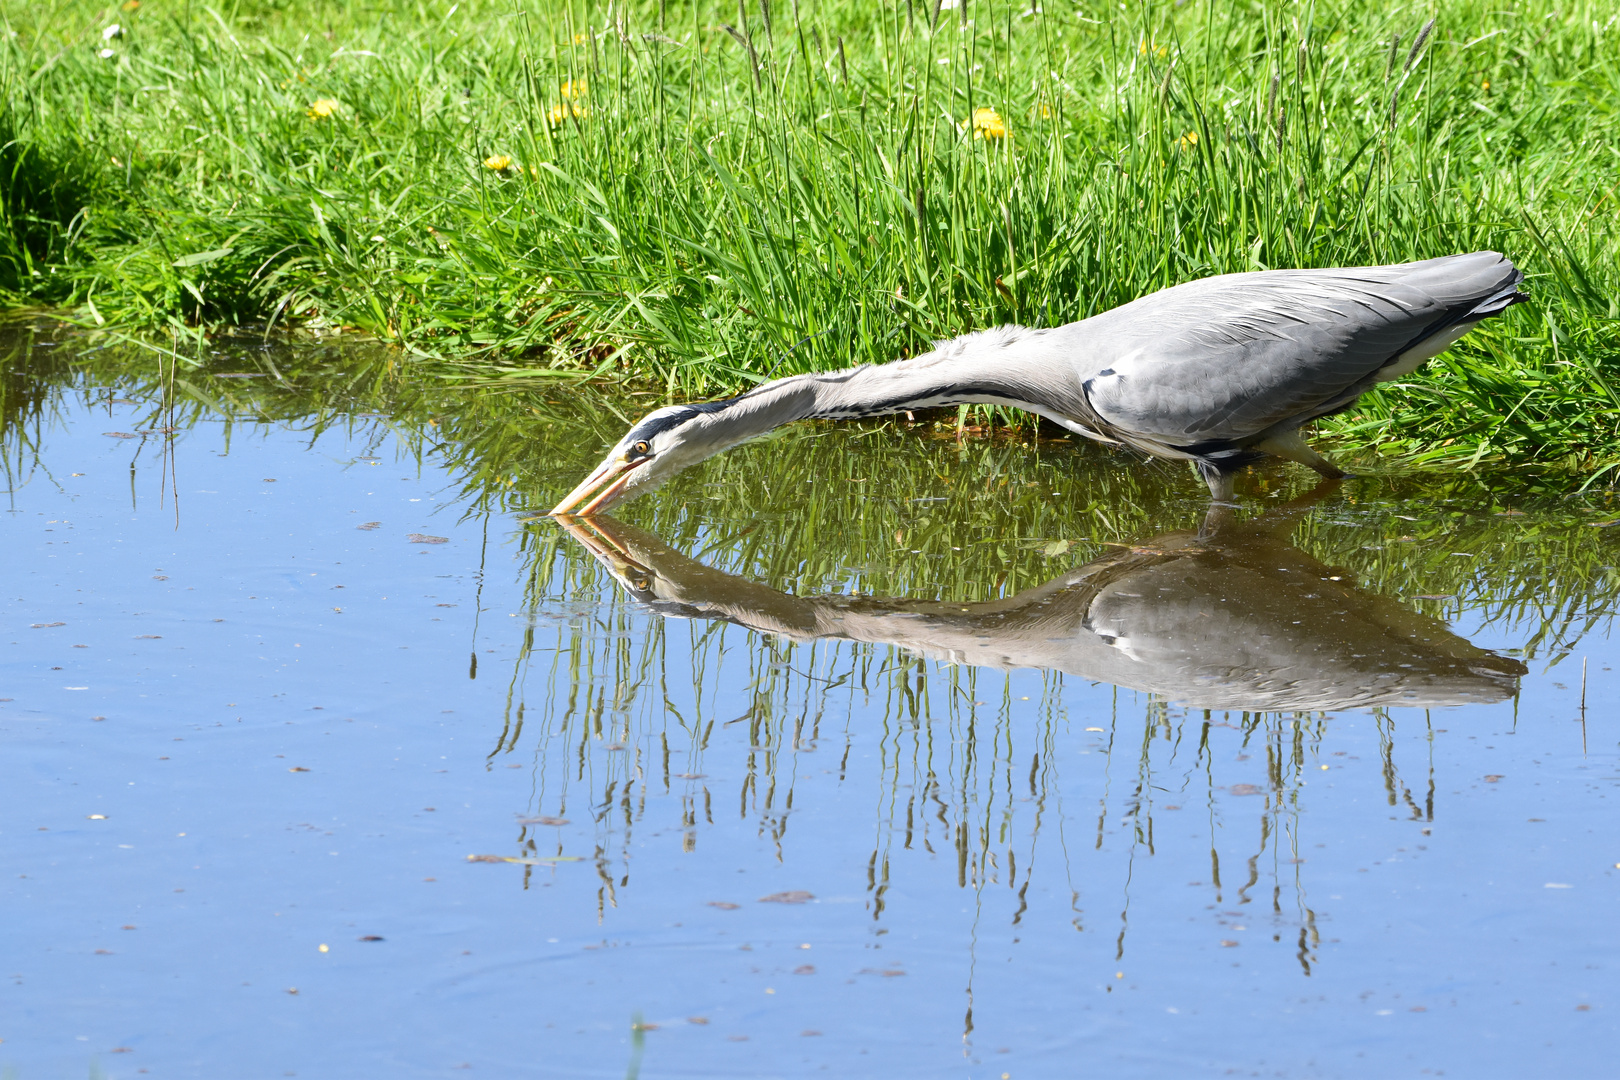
(779, 187)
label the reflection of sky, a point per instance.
(1058, 881)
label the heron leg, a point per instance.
(1219, 481)
(1292, 446)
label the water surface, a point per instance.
(858, 751)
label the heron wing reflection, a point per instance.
(1245, 621)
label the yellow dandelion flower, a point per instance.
(321, 109)
(559, 113)
(1162, 51)
(1188, 141)
(987, 124)
(1044, 111)
(574, 89)
(1486, 86)
(1142, 49)
(498, 162)
(580, 39)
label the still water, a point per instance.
(858, 751)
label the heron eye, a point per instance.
(642, 447)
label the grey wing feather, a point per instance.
(1226, 358)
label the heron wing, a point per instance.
(1225, 358)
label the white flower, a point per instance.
(106, 54)
(113, 31)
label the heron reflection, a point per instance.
(1237, 618)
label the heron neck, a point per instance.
(1010, 365)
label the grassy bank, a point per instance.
(703, 195)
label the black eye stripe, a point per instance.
(646, 431)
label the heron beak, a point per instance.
(616, 471)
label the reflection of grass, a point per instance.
(961, 751)
(970, 772)
(952, 741)
(699, 197)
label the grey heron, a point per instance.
(1220, 371)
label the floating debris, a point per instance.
(532, 860)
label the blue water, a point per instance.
(248, 753)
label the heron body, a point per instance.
(1221, 371)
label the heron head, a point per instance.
(657, 447)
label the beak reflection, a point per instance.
(1242, 620)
